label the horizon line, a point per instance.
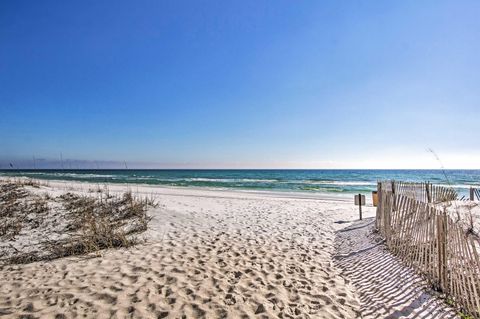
(238, 169)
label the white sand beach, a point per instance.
(222, 254)
(200, 159)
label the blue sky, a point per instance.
(254, 84)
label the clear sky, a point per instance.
(241, 84)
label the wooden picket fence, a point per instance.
(423, 192)
(429, 241)
(474, 193)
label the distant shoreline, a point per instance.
(238, 169)
(147, 188)
(303, 183)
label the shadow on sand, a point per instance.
(386, 288)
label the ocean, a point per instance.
(338, 182)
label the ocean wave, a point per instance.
(68, 174)
(83, 175)
(200, 179)
(339, 183)
(288, 181)
(153, 178)
(459, 186)
(230, 180)
(322, 189)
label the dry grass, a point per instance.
(88, 223)
(17, 207)
(102, 222)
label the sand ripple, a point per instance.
(208, 257)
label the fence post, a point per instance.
(429, 195)
(394, 204)
(390, 199)
(442, 251)
(379, 204)
(472, 194)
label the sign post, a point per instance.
(360, 201)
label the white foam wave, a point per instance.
(231, 180)
(460, 186)
(340, 183)
(80, 175)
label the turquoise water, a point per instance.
(321, 181)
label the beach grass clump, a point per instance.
(19, 207)
(36, 225)
(101, 222)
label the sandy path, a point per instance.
(210, 254)
(386, 288)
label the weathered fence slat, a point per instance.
(429, 241)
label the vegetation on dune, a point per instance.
(19, 207)
(82, 223)
(102, 222)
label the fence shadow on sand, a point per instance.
(386, 287)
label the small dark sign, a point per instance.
(360, 201)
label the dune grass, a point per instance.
(86, 223)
